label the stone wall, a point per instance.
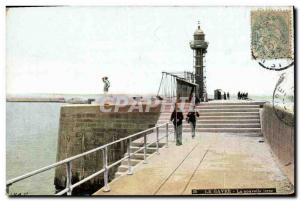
(280, 137)
(84, 127)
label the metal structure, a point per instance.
(106, 166)
(175, 85)
(199, 47)
(185, 75)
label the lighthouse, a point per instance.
(199, 47)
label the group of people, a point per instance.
(226, 96)
(177, 118)
(220, 96)
(242, 95)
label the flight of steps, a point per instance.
(216, 117)
(137, 157)
(151, 149)
(229, 117)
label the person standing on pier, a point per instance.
(192, 119)
(228, 96)
(177, 117)
(106, 85)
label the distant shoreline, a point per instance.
(16, 99)
(72, 98)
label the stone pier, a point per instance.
(210, 161)
(231, 151)
(84, 127)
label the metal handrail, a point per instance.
(180, 78)
(106, 167)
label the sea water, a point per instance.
(31, 143)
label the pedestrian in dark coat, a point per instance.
(176, 118)
(192, 119)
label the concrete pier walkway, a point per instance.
(210, 161)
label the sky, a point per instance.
(69, 49)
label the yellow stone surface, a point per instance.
(210, 161)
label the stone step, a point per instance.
(122, 168)
(150, 150)
(230, 114)
(168, 114)
(135, 159)
(185, 125)
(228, 126)
(161, 122)
(229, 130)
(171, 124)
(140, 143)
(225, 112)
(186, 106)
(139, 156)
(133, 162)
(200, 128)
(228, 110)
(167, 119)
(118, 174)
(233, 103)
(217, 105)
(213, 124)
(217, 130)
(218, 114)
(219, 117)
(228, 120)
(212, 109)
(200, 107)
(201, 121)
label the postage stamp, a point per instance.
(271, 34)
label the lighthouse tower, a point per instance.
(199, 47)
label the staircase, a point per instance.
(151, 148)
(229, 117)
(215, 117)
(137, 157)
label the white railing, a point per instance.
(106, 166)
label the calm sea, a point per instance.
(31, 143)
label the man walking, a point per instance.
(177, 117)
(192, 119)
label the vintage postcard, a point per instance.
(150, 101)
